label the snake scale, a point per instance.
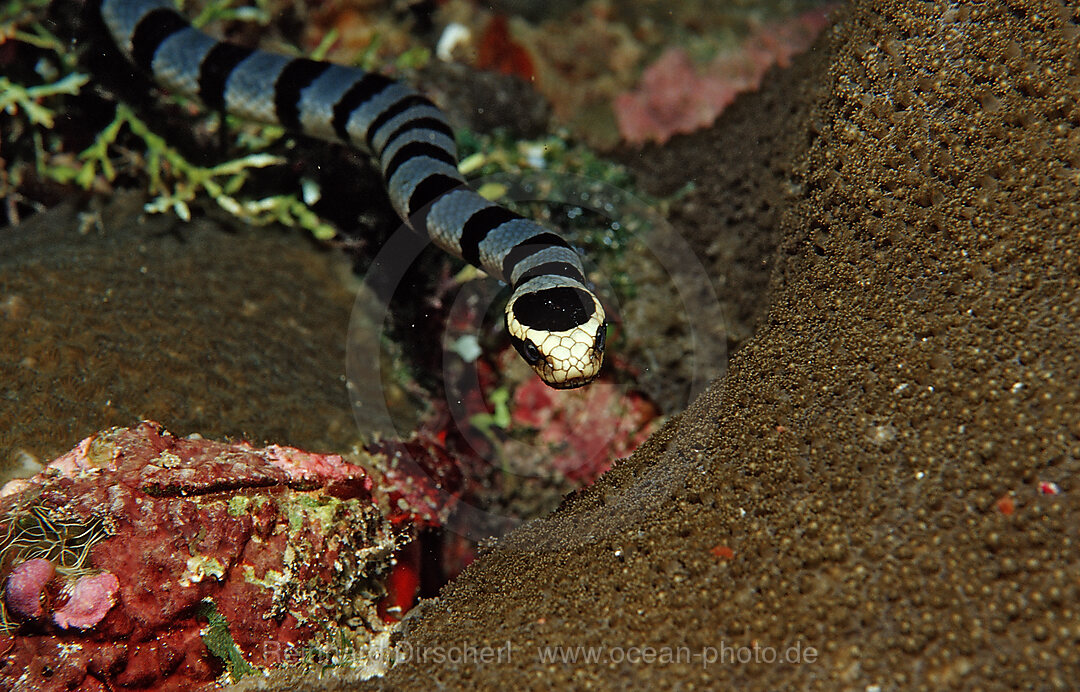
(554, 320)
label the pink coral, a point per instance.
(672, 98)
(675, 97)
(89, 600)
(25, 586)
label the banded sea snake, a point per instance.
(554, 320)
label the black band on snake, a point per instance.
(556, 323)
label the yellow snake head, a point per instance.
(559, 328)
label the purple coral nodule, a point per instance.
(24, 587)
(90, 598)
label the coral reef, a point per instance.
(887, 473)
(276, 548)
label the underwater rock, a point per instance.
(194, 558)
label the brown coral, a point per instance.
(915, 363)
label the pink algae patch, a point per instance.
(674, 96)
(90, 599)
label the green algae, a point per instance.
(239, 505)
(220, 642)
(310, 510)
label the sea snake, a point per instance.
(554, 320)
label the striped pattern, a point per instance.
(554, 320)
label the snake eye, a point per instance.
(530, 352)
(601, 338)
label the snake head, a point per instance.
(559, 328)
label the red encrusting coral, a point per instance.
(283, 543)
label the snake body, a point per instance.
(554, 320)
